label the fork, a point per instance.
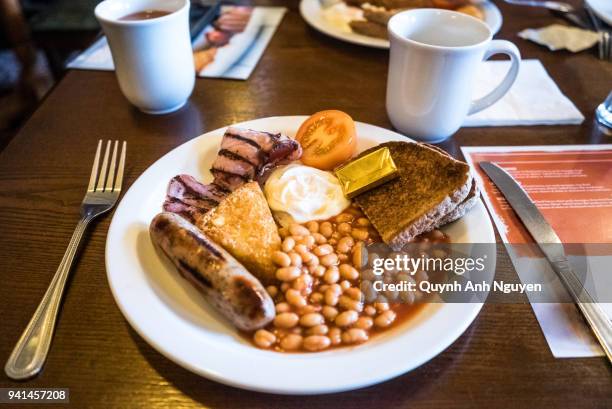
(30, 353)
(550, 5)
(605, 40)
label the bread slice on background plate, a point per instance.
(243, 225)
(431, 184)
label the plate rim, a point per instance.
(468, 312)
(488, 7)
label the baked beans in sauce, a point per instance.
(319, 302)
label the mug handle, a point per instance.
(499, 47)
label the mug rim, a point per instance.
(118, 22)
(458, 48)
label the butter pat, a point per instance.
(366, 172)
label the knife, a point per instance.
(551, 246)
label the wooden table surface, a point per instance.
(501, 361)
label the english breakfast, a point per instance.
(278, 241)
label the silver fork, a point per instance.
(550, 5)
(30, 353)
(605, 40)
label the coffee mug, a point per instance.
(153, 57)
(433, 63)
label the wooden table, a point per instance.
(501, 361)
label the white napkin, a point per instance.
(534, 99)
(560, 37)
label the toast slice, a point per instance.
(243, 225)
(430, 185)
(463, 207)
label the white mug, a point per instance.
(153, 58)
(432, 68)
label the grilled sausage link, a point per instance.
(222, 280)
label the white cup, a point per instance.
(153, 58)
(432, 68)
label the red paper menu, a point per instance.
(571, 185)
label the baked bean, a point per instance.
(381, 306)
(369, 310)
(354, 293)
(317, 298)
(332, 275)
(346, 318)
(323, 250)
(368, 274)
(309, 309)
(329, 260)
(311, 319)
(326, 229)
(344, 228)
(291, 342)
(264, 339)
(317, 271)
(298, 230)
(360, 255)
(307, 256)
(282, 307)
(303, 284)
(350, 304)
(335, 335)
(313, 262)
(363, 222)
(288, 244)
(319, 238)
(324, 287)
(367, 289)
(438, 253)
(284, 287)
(385, 319)
(436, 234)
(336, 235)
(281, 259)
(272, 290)
(364, 323)
(360, 234)
(300, 248)
(392, 295)
(286, 320)
(312, 226)
(348, 272)
(332, 295)
(316, 342)
(296, 330)
(318, 330)
(294, 297)
(421, 275)
(343, 258)
(288, 273)
(296, 259)
(329, 312)
(344, 218)
(345, 285)
(354, 336)
(345, 244)
(333, 242)
(407, 297)
(307, 241)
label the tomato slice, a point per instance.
(328, 138)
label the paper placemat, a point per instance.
(572, 187)
(235, 60)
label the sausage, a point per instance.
(219, 277)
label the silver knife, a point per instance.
(551, 246)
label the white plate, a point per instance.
(173, 318)
(603, 9)
(312, 12)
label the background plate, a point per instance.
(171, 316)
(311, 12)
